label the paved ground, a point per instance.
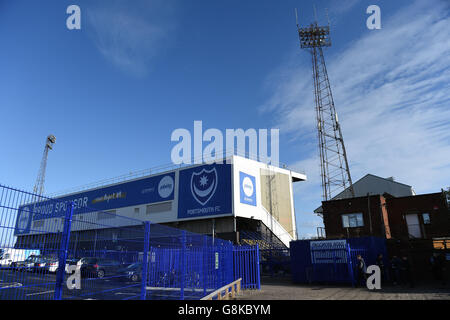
(31, 286)
(16, 285)
(284, 289)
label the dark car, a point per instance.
(99, 267)
(40, 264)
(133, 272)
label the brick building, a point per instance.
(425, 216)
(415, 226)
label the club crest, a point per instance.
(204, 185)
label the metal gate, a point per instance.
(334, 261)
(246, 266)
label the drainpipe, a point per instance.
(370, 215)
(383, 226)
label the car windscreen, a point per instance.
(89, 260)
(108, 262)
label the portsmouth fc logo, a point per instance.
(204, 185)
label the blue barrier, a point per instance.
(333, 261)
(247, 266)
(117, 257)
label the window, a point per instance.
(352, 220)
(426, 218)
(159, 207)
(38, 224)
(106, 215)
(441, 244)
(136, 210)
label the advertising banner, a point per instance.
(247, 188)
(149, 190)
(205, 191)
(328, 251)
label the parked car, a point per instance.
(52, 264)
(71, 262)
(40, 264)
(27, 264)
(98, 267)
(10, 256)
(133, 272)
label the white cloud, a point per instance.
(131, 36)
(391, 93)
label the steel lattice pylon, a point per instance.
(335, 172)
(39, 186)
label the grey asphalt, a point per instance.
(284, 289)
(24, 285)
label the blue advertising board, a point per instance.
(149, 190)
(205, 191)
(247, 187)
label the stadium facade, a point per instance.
(238, 199)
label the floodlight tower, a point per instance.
(39, 186)
(335, 172)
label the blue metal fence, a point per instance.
(246, 260)
(117, 257)
(335, 265)
(22, 273)
(332, 261)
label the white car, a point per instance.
(53, 265)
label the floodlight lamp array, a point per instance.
(314, 36)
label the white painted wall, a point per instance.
(252, 167)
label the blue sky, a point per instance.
(113, 92)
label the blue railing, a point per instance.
(112, 256)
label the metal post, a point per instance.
(145, 260)
(205, 261)
(76, 244)
(370, 214)
(95, 241)
(258, 276)
(213, 230)
(350, 265)
(63, 252)
(183, 263)
(313, 263)
(335, 275)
